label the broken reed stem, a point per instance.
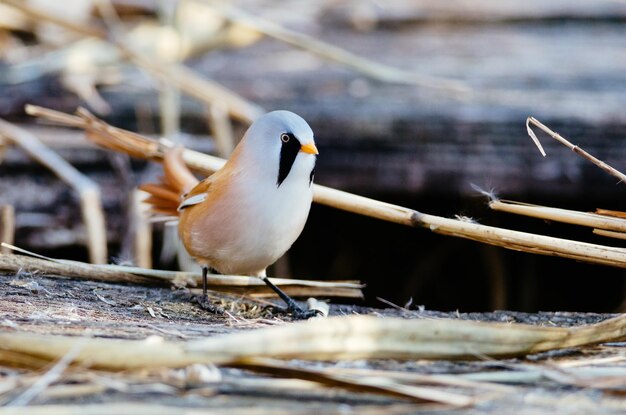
(20, 263)
(7, 226)
(87, 189)
(604, 166)
(610, 234)
(334, 338)
(139, 146)
(592, 220)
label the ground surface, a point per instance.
(537, 384)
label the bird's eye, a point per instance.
(285, 137)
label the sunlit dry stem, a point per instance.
(610, 234)
(592, 220)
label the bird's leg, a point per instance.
(205, 271)
(203, 301)
(293, 308)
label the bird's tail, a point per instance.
(176, 181)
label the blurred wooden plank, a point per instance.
(395, 13)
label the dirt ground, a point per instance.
(40, 304)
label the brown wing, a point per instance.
(177, 180)
(216, 184)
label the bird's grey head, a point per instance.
(283, 142)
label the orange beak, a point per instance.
(309, 148)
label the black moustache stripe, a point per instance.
(288, 153)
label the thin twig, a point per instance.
(604, 166)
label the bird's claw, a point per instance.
(206, 305)
(300, 314)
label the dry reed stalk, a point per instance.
(221, 129)
(88, 190)
(358, 383)
(604, 166)
(144, 147)
(610, 234)
(142, 230)
(336, 54)
(592, 220)
(333, 338)
(7, 226)
(20, 263)
(411, 378)
(43, 381)
(136, 275)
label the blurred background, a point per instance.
(411, 103)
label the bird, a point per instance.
(246, 215)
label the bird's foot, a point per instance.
(293, 308)
(207, 305)
(298, 313)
